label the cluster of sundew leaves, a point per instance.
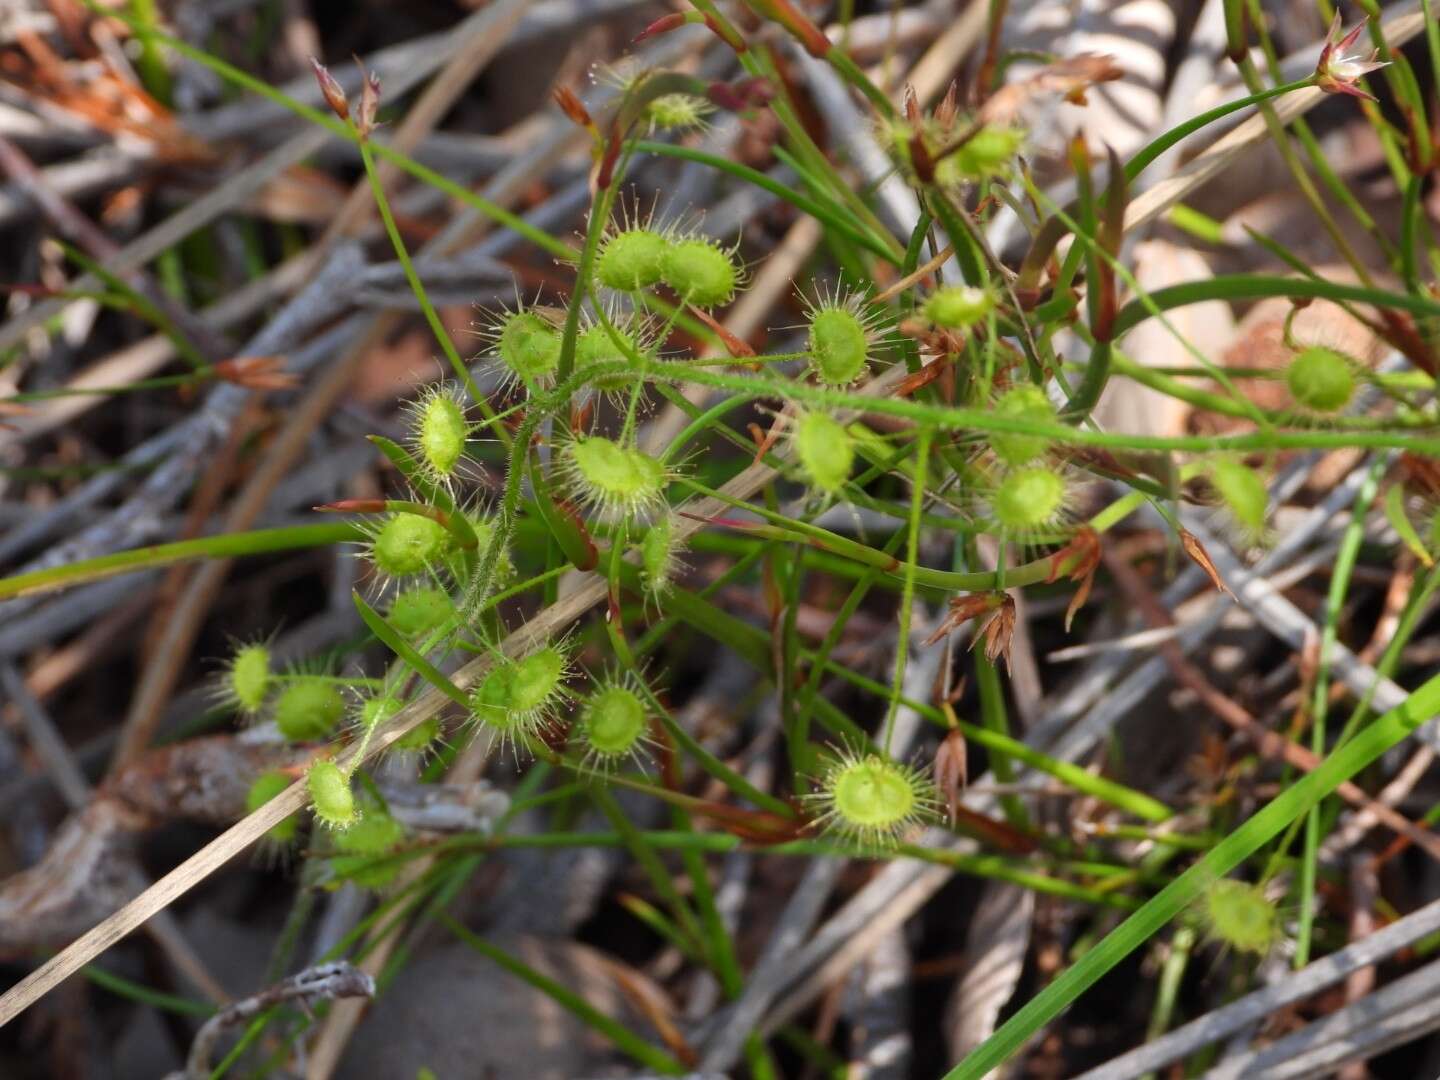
(436, 579)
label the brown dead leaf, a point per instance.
(1068, 78)
(950, 770)
(1201, 557)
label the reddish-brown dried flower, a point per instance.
(333, 92)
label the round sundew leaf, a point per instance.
(529, 346)
(1028, 499)
(989, 152)
(826, 451)
(1239, 915)
(595, 347)
(1024, 402)
(419, 611)
(536, 678)
(408, 544)
(872, 794)
(248, 680)
(493, 699)
(956, 307)
(1321, 379)
(440, 433)
(419, 737)
(330, 794)
(378, 709)
(701, 273)
(614, 720)
(632, 260)
(308, 709)
(616, 477)
(677, 112)
(657, 555)
(374, 834)
(266, 787)
(839, 346)
(1243, 491)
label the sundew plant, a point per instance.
(909, 442)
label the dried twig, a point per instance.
(324, 982)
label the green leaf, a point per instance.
(1401, 523)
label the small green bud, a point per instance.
(409, 544)
(1028, 499)
(1321, 379)
(825, 450)
(330, 794)
(956, 307)
(1023, 402)
(631, 261)
(529, 346)
(266, 787)
(247, 680)
(308, 709)
(419, 611)
(701, 272)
